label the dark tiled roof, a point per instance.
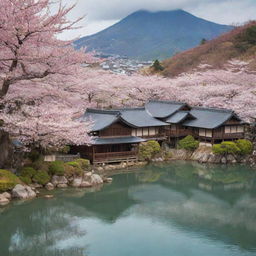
(139, 117)
(209, 118)
(133, 117)
(163, 109)
(117, 140)
(178, 117)
(101, 118)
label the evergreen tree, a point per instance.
(157, 66)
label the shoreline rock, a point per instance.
(23, 192)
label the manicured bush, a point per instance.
(74, 164)
(84, 163)
(57, 168)
(72, 171)
(188, 143)
(245, 146)
(41, 177)
(8, 180)
(148, 150)
(28, 172)
(226, 147)
(27, 180)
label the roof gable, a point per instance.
(163, 109)
(101, 118)
(209, 118)
(179, 117)
(139, 117)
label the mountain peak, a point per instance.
(153, 35)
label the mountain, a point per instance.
(152, 35)
(240, 44)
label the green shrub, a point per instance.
(72, 171)
(148, 150)
(188, 143)
(226, 147)
(157, 66)
(8, 180)
(27, 180)
(41, 177)
(57, 168)
(74, 164)
(28, 172)
(84, 163)
(245, 146)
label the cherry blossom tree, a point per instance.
(35, 69)
(29, 47)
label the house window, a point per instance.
(208, 133)
(240, 129)
(145, 131)
(205, 133)
(234, 129)
(139, 132)
(133, 132)
(202, 132)
(152, 131)
(227, 129)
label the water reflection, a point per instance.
(212, 207)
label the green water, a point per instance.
(179, 209)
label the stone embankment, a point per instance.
(204, 154)
(24, 192)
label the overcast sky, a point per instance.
(103, 13)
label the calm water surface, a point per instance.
(179, 209)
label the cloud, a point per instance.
(101, 13)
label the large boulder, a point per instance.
(23, 192)
(180, 154)
(231, 159)
(3, 200)
(7, 195)
(85, 184)
(77, 182)
(49, 186)
(56, 180)
(96, 179)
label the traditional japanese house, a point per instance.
(206, 124)
(116, 134)
(215, 125)
(174, 114)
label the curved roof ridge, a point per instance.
(167, 101)
(132, 109)
(102, 111)
(213, 109)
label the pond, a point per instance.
(179, 209)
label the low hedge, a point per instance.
(242, 147)
(8, 180)
(41, 177)
(28, 172)
(57, 168)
